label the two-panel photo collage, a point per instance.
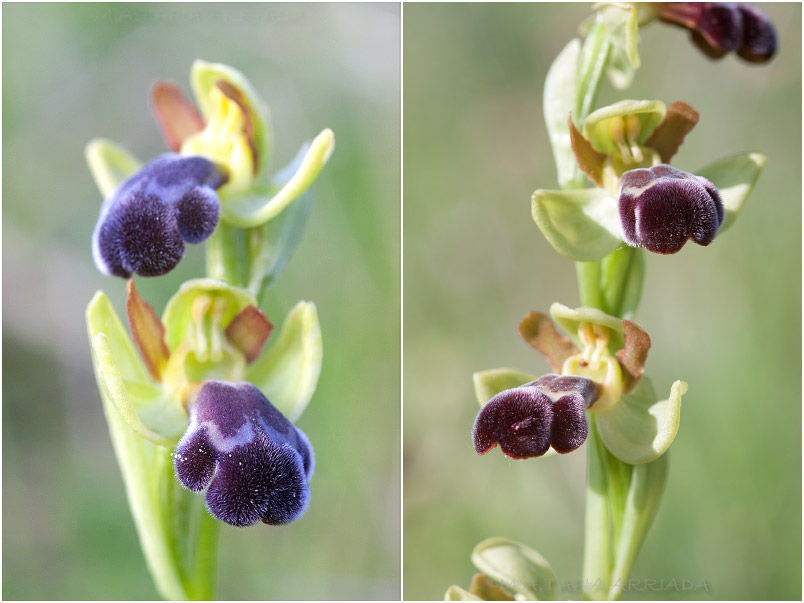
(402, 301)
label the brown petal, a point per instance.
(633, 355)
(248, 331)
(177, 117)
(236, 96)
(589, 160)
(540, 332)
(147, 331)
(668, 135)
(488, 590)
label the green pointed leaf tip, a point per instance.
(109, 164)
(288, 371)
(560, 98)
(582, 225)
(598, 126)
(514, 565)
(639, 429)
(124, 381)
(203, 76)
(254, 209)
(734, 177)
(493, 381)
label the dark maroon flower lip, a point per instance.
(718, 28)
(526, 421)
(662, 207)
(144, 225)
(254, 464)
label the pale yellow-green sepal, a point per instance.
(258, 207)
(560, 98)
(493, 381)
(456, 593)
(734, 177)
(639, 429)
(287, 372)
(582, 225)
(516, 566)
(110, 164)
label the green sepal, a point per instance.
(288, 371)
(622, 24)
(124, 381)
(264, 203)
(203, 76)
(516, 566)
(639, 429)
(110, 164)
(560, 99)
(570, 319)
(493, 381)
(177, 317)
(596, 125)
(456, 593)
(734, 177)
(582, 225)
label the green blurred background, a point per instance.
(75, 71)
(726, 319)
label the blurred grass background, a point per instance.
(726, 319)
(75, 71)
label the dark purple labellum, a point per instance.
(661, 207)
(525, 421)
(143, 226)
(254, 463)
(759, 36)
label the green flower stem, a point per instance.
(597, 555)
(225, 255)
(594, 59)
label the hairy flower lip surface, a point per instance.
(661, 207)
(254, 464)
(143, 226)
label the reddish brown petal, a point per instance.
(177, 117)
(488, 590)
(677, 123)
(236, 96)
(589, 160)
(540, 332)
(248, 331)
(147, 331)
(633, 355)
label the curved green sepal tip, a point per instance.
(597, 126)
(622, 25)
(570, 319)
(560, 98)
(514, 565)
(203, 76)
(110, 164)
(582, 225)
(734, 177)
(493, 381)
(639, 429)
(456, 593)
(251, 210)
(124, 382)
(287, 373)
(178, 315)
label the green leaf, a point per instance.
(639, 429)
(491, 382)
(560, 98)
(203, 76)
(124, 381)
(250, 210)
(582, 225)
(734, 177)
(515, 566)
(177, 317)
(287, 373)
(110, 164)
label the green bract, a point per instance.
(515, 566)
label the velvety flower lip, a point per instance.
(661, 207)
(253, 462)
(143, 226)
(527, 420)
